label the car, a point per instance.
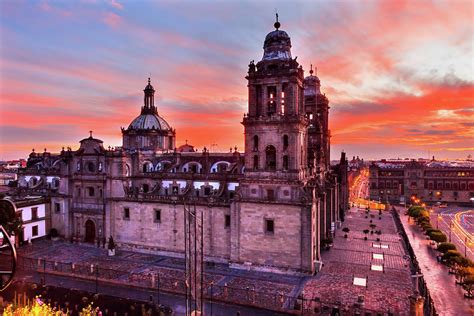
(439, 204)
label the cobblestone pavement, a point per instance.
(351, 257)
(448, 297)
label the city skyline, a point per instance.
(398, 75)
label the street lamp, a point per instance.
(450, 229)
(465, 247)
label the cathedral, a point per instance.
(269, 207)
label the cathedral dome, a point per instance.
(149, 121)
(277, 45)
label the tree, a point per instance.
(438, 236)
(468, 285)
(8, 219)
(346, 229)
(445, 246)
(451, 257)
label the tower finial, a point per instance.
(277, 24)
(149, 80)
(311, 70)
(90, 132)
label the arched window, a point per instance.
(270, 153)
(285, 142)
(286, 162)
(147, 167)
(255, 162)
(255, 143)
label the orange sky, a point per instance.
(398, 74)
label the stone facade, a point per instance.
(430, 180)
(268, 207)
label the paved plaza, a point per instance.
(353, 257)
(332, 288)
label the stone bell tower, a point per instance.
(276, 126)
(272, 215)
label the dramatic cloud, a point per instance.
(398, 74)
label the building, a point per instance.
(269, 206)
(430, 180)
(34, 212)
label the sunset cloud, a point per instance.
(398, 74)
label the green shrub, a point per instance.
(437, 236)
(445, 247)
(415, 211)
(451, 255)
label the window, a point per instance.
(100, 166)
(285, 142)
(34, 213)
(146, 188)
(57, 207)
(269, 226)
(270, 152)
(157, 216)
(227, 221)
(90, 167)
(78, 166)
(90, 191)
(271, 95)
(285, 163)
(207, 191)
(79, 192)
(255, 162)
(34, 231)
(56, 183)
(255, 143)
(126, 213)
(270, 194)
(100, 192)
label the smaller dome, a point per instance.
(312, 84)
(149, 121)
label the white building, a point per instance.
(34, 212)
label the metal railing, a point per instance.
(160, 282)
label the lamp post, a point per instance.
(450, 229)
(465, 247)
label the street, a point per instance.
(447, 296)
(458, 224)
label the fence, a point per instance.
(429, 308)
(278, 302)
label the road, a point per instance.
(448, 297)
(458, 224)
(359, 192)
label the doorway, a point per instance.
(90, 231)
